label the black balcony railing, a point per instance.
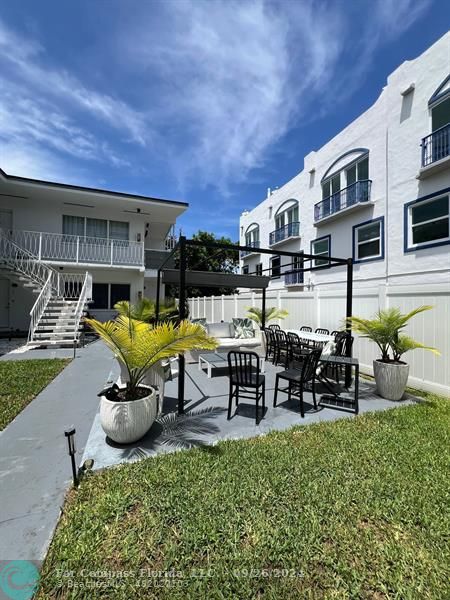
(353, 194)
(293, 278)
(285, 232)
(254, 244)
(436, 146)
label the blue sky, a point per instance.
(204, 101)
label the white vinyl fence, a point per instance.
(326, 308)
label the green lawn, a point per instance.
(355, 509)
(21, 381)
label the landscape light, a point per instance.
(70, 435)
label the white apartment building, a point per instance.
(377, 192)
(70, 247)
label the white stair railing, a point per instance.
(39, 307)
(74, 286)
(22, 261)
(85, 296)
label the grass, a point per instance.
(21, 381)
(353, 509)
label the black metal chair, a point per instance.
(322, 330)
(297, 378)
(334, 333)
(273, 327)
(344, 344)
(281, 348)
(305, 328)
(270, 344)
(297, 348)
(244, 374)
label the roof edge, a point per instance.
(80, 188)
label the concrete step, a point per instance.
(56, 321)
(54, 335)
(55, 311)
(44, 327)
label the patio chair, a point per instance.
(273, 327)
(322, 330)
(281, 348)
(344, 343)
(305, 328)
(334, 333)
(298, 378)
(244, 374)
(297, 348)
(270, 344)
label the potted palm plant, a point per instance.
(145, 310)
(128, 411)
(384, 328)
(272, 313)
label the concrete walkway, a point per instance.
(34, 465)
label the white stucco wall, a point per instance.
(38, 207)
(392, 130)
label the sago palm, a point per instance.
(138, 345)
(145, 310)
(385, 330)
(256, 314)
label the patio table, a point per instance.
(311, 336)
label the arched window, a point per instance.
(439, 104)
(286, 213)
(345, 183)
(252, 235)
(286, 222)
(436, 146)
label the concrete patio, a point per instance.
(205, 421)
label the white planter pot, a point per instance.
(261, 337)
(391, 379)
(126, 422)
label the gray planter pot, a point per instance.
(391, 379)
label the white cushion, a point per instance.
(237, 342)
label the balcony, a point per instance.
(435, 152)
(346, 200)
(73, 249)
(295, 278)
(291, 230)
(255, 244)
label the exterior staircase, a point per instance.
(58, 324)
(62, 298)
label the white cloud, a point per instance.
(216, 84)
(234, 76)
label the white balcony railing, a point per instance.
(59, 247)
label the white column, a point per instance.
(204, 306)
(223, 307)
(211, 299)
(40, 245)
(112, 251)
(235, 305)
(78, 249)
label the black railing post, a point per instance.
(348, 314)
(182, 314)
(263, 316)
(158, 292)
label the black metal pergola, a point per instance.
(183, 278)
